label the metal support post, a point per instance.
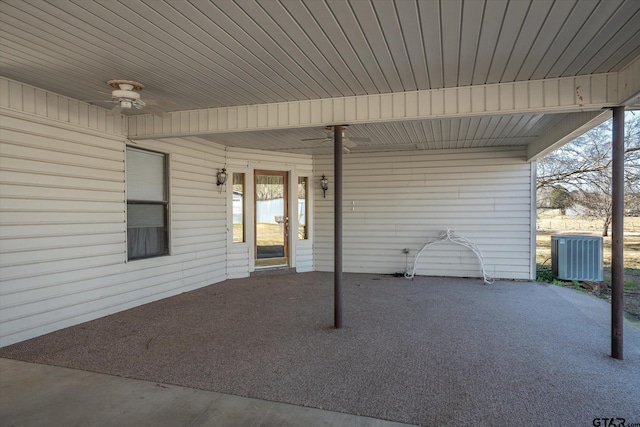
(337, 235)
(617, 234)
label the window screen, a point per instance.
(147, 202)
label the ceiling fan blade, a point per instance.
(160, 102)
(155, 111)
(345, 143)
(349, 144)
(358, 139)
(315, 139)
(117, 110)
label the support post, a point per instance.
(617, 234)
(337, 221)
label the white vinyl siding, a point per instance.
(398, 200)
(63, 223)
(304, 256)
(63, 228)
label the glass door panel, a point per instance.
(272, 218)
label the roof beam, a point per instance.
(578, 123)
(569, 94)
(629, 84)
(566, 130)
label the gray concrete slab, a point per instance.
(40, 395)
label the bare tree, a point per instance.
(583, 167)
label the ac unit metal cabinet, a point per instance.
(577, 257)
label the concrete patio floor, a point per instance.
(432, 351)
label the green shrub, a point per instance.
(544, 273)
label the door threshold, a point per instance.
(271, 267)
(272, 270)
(272, 262)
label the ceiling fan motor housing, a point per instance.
(125, 93)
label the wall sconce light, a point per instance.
(222, 177)
(324, 183)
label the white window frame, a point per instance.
(165, 203)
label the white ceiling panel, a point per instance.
(198, 54)
(411, 135)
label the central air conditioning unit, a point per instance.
(577, 257)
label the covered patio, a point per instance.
(428, 351)
(120, 119)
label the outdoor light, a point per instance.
(126, 104)
(222, 176)
(324, 183)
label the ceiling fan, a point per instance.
(348, 142)
(126, 96)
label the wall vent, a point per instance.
(577, 257)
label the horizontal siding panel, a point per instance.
(79, 293)
(196, 216)
(207, 195)
(35, 126)
(92, 279)
(184, 232)
(179, 181)
(51, 230)
(442, 180)
(57, 144)
(194, 170)
(31, 316)
(211, 210)
(43, 243)
(22, 194)
(39, 202)
(55, 169)
(42, 218)
(11, 151)
(201, 250)
(304, 256)
(63, 226)
(46, 257)
(178, 199)
(210, 225)
(415, 185)
(64, 265)
(437, 164)
(396, 201)
(47, 181)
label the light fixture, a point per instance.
(324, 183)
(222, 177)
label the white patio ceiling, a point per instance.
(227, 58)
